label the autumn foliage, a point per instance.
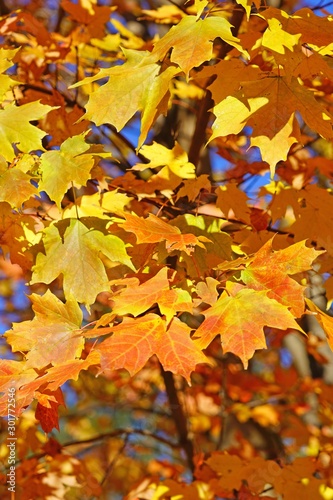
(166, 206)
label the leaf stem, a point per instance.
(75, 200)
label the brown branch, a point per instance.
(119, 432)
(199, 136)
(108, 435)
(179, 417)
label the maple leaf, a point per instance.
(269, 105)
(192, 41)
(232, 199)
(29, 387)
(77, 256)
(134, 341)
(137, 298)
(12, 371)
(53, 336)
(247, 4)
(276, 39)
(233, 72)
(284, 197)
(146, 90)
(232, 470)
(176, 159)
(217, 245)
(72, 163)
(169, 14)
(6, 57)
(15, 185)
(292, 475)
(47, 409)
(25, 22)
(56, 376)
(269, 271)
(316, 208)
(313, 29)
(98, 205)
(15, 230)
(240, 320)
(89, 14)
(153, 230)
(325, 321)
(200, 6)
(15, 128)
(207, 290)
(193, 187)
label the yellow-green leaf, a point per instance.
(16, 129)
(137, 85)
(6, 82)
(78, 258)
(70, 164)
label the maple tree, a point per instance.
(166, 249)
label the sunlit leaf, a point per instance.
(134, 341)
(240, 319)
(77, 256)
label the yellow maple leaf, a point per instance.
(176, 159)
(72, 162)
(138, 85)
(77, 256)
(16, 129)
(192, 41)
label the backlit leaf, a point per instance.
(240, 321)
(15, 128)
(6, 82)
(145, 90)
(77, 256)
(136, 298)
(71, 163)
(15, 185)
(134, 341)
(153, 230)
(192, 41)
(53, 336)
(325, 321)
(269, 105)
(176, 159)
(269, 271)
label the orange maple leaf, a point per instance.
(269, 271)
(137, 298)
(135, 340)
(153, 230)
(239, 318)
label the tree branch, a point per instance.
(178, 416)
(199, 136)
